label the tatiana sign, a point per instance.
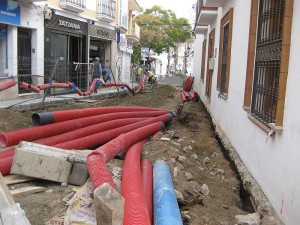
(64, 23)
(10, 12)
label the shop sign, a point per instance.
(10, 12)
(68, 24)
(101, 32)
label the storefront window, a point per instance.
(124, 13)
(3, 49)
(97, 49)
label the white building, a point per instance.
(246, 68)
(21, 29)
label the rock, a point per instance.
(249, 219)
(172, 160)
(204, 190)
(189, 148)
(189, 176)
(194, 156)
(179, 195)
(195, 186)
(146, 152)
(225, 206)
(200, 168)
(220, 171)
(193, 141)
(181, 158)
(176, 143)
(206, 160)
(164, 158)
(165, 139)
(176, 172)
(170, 133)
(179, 165)
(49, 191)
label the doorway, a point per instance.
(24, 56)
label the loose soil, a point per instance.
(192, 152)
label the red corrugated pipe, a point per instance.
(103, 137)
(89, 92)
(89, 130)
(96, 160)
(58, 116)
(5, 165)
(30, 87)
(184, 97)
(147, 180)
(194, 96)
(35, 133)
(135, 210)
(92, 140)
(7, 85)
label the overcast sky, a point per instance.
(182, 8)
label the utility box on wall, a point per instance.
(211, 63)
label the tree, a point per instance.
(161, 30)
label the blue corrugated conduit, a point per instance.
(166, 210)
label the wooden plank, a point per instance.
(5, 197)
(26, 190)
(15, 179)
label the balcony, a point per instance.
(201, 29)
(206, 16)
(133, 5)
(213, 3)
(77, 6)
(106, 10)
(134, 33)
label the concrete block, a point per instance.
(49, 163)
(109, 205)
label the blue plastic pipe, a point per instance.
(166, 210)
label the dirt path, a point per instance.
(208, 188)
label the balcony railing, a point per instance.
(73, 5)
(134, 33)
(106, 10)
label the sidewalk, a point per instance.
(103, 93)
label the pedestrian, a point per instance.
(139, 73)
(97, 72)
(150, 75)
(108, 74)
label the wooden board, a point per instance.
(15, 179)
(26, 190)
(5, 197)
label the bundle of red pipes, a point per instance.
(115, 128)
(69, 85)
(189, 96)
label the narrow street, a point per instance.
(208, 189)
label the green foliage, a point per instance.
(161, 29)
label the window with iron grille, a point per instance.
(107, 8)
(225, 52)
(267, 60)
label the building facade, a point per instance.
(246, 72)
(58, 40)
(21, 28)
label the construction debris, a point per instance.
(49, 163)
(10, 212)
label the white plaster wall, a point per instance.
(275, 162)
(197, 61)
